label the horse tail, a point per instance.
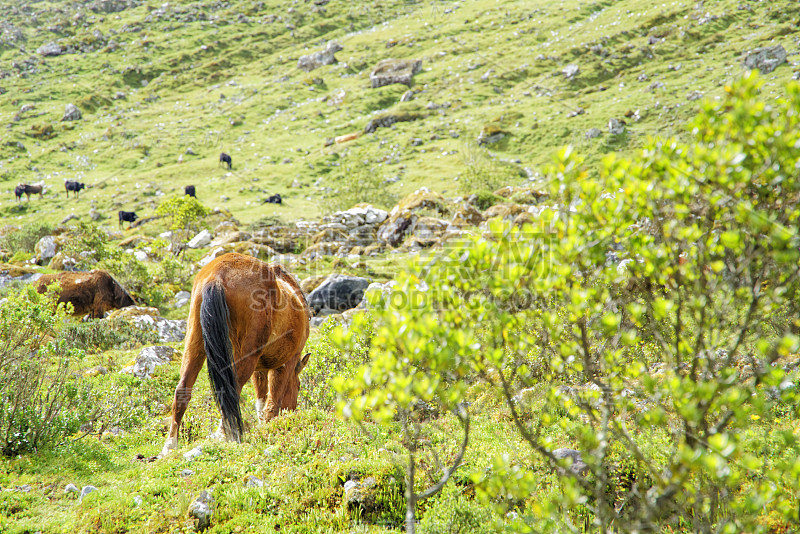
(214, 320)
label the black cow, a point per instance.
(71, 185)
(28, 190)
(226, 158)
(274, 199)
(128, 216)
(189, 190)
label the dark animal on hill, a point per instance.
(274, 199)
(128, 216)
(189, 190)
(28, 190)
(71, 185)
(249, 319)
(226, 158)
(93, 292)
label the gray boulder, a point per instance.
(50, 49)
(337, 293)
(45, 249)
(578, 466)
(200, 240)
(318, 59)
(616, 126)
(360, 494)
(200, 510)
(594, 132)
(389, 71)
(71, 113)
(765, 59)
(148, 359)
(169, 330)
(86, 491)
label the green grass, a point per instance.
(233, 86)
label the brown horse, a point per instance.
(247, 318)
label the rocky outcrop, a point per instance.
(148, 359)
(388, 119)
(765, 59)
(404, 216)
(51, 49)
(319, 59)
(389, 71)
(337, 293)
(71, 113)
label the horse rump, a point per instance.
(214, 320)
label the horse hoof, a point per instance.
(169, 446)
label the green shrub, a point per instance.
(25, 238)
(662, 291)
(99, 336)
(42, 402)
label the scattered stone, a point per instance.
(50, 49)
(71, 488)
(45, 249)
(200, 240)
(169, 330)
(578, 466)
(137, 501)
(194, 453)
(200, 509)
(337, 293)
(25, 488)
(616, 126)
(318, 59)
(86, 490)
(71, 113)
(570, 71)
(148, 359)
(390, 71)
(765, 59)
(407, 96)
(253, 482)
(182, 298)
(655, 85)
(388, 119)
(694, 95)
(642, 77)
(575, 113)
(187, 473)
(594, 132)
(358, 494)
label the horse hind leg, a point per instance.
(191, 364)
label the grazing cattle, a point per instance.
(94, 292)
(247, 318)
(189, 190)
(128, 216)
(274, 199)
(226, 158)
(28, 190)
(71, 185)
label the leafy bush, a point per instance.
(328, 362)
(41, 400)
(25, 238)
(185, 214)
(657, 299)
(356, 183)
(99, 336)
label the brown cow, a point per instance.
(94, 292)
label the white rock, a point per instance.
(200, 240)
(194, 453)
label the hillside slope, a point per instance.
(164, 88)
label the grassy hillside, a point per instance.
(163, 88)
(154, 82)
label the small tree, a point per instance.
(407, 374)
(185, 214)
(652, 308)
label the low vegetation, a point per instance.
(616, 352)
